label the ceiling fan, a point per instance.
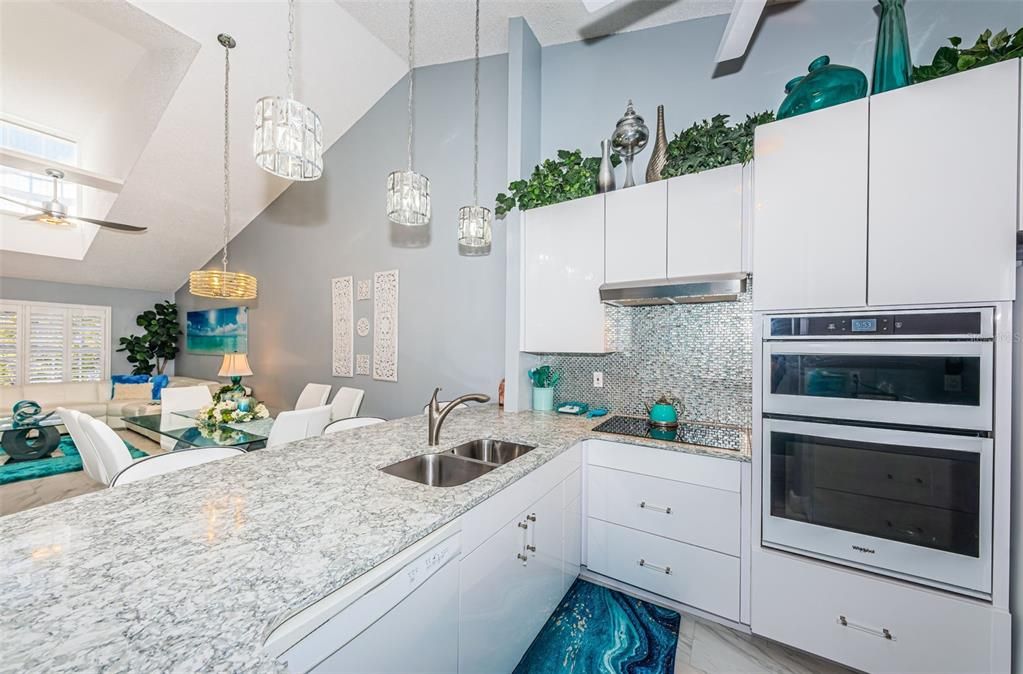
(53, 212)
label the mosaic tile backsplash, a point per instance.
(701, 354)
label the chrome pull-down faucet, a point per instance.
(437, 415)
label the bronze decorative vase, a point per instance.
(659, 153)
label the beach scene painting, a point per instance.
(218, 331)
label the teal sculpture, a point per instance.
(893, 67)
(824, 85)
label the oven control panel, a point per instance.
(922, 324)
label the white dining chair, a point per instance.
(90, 457)
(298, 425)
(110, 448)
(172, 461)
(351, 422)
(346, 403)
(180, 399)
(313, 395)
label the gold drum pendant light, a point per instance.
(221, 283)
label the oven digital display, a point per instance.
(864, 325)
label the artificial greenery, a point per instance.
(570, 176)
(712, 143)
(158, 344)
(986, 50)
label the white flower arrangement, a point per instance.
(227, 412)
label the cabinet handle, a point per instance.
(523, 525)
(531, 548)
(666, 570)
(531, 518)
(522, 552)
(649, 506)
(882, 632)
(523, 558)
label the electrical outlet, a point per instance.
(598, 380)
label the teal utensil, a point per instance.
(824, 86)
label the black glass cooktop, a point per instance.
(688, 432)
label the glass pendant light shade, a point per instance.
(288, 141)
(475, 229)
(220, 284)
(408, 198)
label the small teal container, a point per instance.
(543, 399)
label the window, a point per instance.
(47, 343)
(31, 187)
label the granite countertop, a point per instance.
(188, 571)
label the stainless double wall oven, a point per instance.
(877, 442)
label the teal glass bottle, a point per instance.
(826, 84)
(893, 67)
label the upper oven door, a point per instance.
(931, 384)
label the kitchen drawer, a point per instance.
(690, 513)
(703, 470)
(803, 603)
(698, 577)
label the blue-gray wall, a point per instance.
(586, 84)
(124, 305)
(451, 315)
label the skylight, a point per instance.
(31, 187)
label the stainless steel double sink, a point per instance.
(457, 466)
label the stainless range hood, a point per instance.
(680, 290)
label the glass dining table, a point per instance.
(183, 428)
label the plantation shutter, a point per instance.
(87, 348)
(10, 327)
(47, 338)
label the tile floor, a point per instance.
(19, 496)
(704, 647)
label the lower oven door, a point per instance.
(913, 505)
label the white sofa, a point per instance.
(92, 397)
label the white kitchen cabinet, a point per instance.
(510, 585)
(944, 157)
(572, 523)
(705, 223)
(562, 271)
(810, 210)
(636, 221)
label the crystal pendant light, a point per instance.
(408, 192)
(474, 222)
(288, 141)
(221, 283)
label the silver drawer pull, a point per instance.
(653, 567)
(661, 509)
(883, 632)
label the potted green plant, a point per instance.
(570, 176)
(712, 143)
(989, 48)
(544, 379)
(158, 344)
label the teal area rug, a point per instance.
(597, 630)
(65, 459)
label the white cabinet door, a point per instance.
(705, 228)
(943, 189)
(572, 520)
(636, 221)
(494, 588)
(563, 268)
(545, 538)
(810, 210)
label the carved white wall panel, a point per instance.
(362, 364)
(385, 325)
(344, 349)
(362, 327)
(364, 293)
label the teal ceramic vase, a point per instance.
(543, 399)
(893, 67)
(825, 85)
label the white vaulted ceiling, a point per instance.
(173, 179)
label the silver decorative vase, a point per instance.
(606, 173)
(659, 153)
(630, 137)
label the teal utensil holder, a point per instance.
(893, 67)
(543, 399)
(825, 85)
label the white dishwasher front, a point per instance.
(401, 617)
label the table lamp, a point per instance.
(235, 366)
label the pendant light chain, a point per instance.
(291, 49)
(227, 151)
(476, 117)
(411, 74)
